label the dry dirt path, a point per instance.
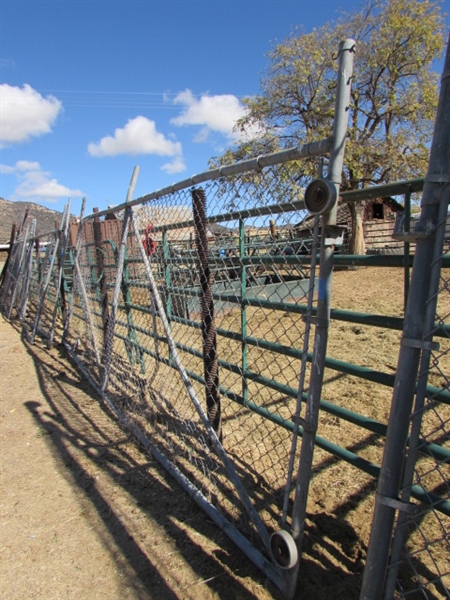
(83, 512)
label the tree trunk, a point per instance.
(357, 243)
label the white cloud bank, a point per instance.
(140, 136)
(37, 185)
(25, 114)
(214, 113)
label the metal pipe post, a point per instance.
(436, 191)
(345, 70)
(175, 360)
(75, 254)
(109, 334)
(64, 233)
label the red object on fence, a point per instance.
(148, 242)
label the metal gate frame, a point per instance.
(393, 495)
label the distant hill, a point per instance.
(13, 212)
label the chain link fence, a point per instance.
(419, 563)
(192, 311)
(256, 271)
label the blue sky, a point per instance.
(92, 88)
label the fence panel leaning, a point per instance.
(201, 357)
(202, 313)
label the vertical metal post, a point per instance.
(304, 360)
(421, 393)
(209, 337)
(214, 440)
(436, 191)
(109, 336)
(8, 258)
(65, 224)
(87, 308)
(336, 161)
(18, 270)
(244, 345)
(44, 287)
(29, 263)
(168, 284)
(75, 254)
(101, 276)
(406, 246)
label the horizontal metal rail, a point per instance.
(429, 449)
(314, 149)
(338, 451)
(319, 148)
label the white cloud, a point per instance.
(25, 114)
(37, 185)
(214, 113)
(139, 136)
(175, 166)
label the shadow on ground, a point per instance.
(142, 508)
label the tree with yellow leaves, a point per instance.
(393, 103)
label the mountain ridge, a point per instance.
(12, 212)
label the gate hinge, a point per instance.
(334, 235)
(421, 344)
(299, 421)
(397, 504)
(316, 321)
(401, 235)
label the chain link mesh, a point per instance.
(423, 564)
(237, 321)
(252, 285)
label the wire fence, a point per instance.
(202, 315)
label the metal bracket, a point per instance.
(333, 235)
(421, 344)
(316, 321)
(299, 421)
(396, 504)
(411, 236)
(438, 177)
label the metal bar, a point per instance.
(65, 223)
(44, 286)
(193, 396)
(244, 345)
(111, 323)
(18, 271)
(253, 164)
(380, 191)
(421, 394)
(209, 337)
(76, 252)
(406, 267)
(436, 191)
(304, 359)
(101, 276)
(345, 69)
(228, 528)
(29, 262)
(87, 311)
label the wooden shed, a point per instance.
(378, 222)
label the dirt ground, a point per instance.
(86, 514)
(83, 512)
